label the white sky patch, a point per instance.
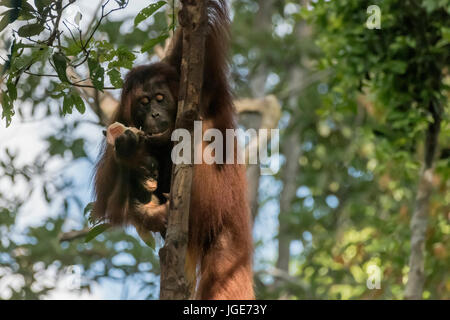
(266, 224)
(9, 282)
(291, 8)
(283, 28)
(25, 140)
(272, 80)
(64, 294)
(296, 247)
(303, 192)
(332, 201)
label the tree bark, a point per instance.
(419, 220)
(291, 149)
(257, 87)
(292, 152)
(172, 255)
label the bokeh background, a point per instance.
(357, 96)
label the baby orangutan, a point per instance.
(138, 173)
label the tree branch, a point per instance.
(172, 255)
(72, 235)
(419, 220)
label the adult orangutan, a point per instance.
(219, 246)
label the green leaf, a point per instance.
(41, 54)
(21, 62)
(21, 45)
(153, 42)
(148, 12)
(3, 23)
(24, 5)
(97, 74)
(10, 3)
(67, 104)
(72, 49)
(26, 60)
(12, 90)
(147, 237)
(56, 146)
(121, 2)
(8, 17)
(95, 231)
(150, 241)
(125, 59)
(30, 30)
(60, 62)
(40, 4)
(73, 100)
(430, 5)
(79, 103)
(8, 109)
(7, 3)
(25, 16)
(77, 149)
(89, 207)
(115, 78)
(398, 66)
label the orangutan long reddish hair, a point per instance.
(220, 246)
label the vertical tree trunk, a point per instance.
(257, 86)
(173, 255)
(292, 151)
(419, 220)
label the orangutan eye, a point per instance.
(159, 97)
(144, 101)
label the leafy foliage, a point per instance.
(148, 12)
(70, 48)
(361, 131)
(37, 85)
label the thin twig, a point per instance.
(72, 235)
(75, 84)
(70, 31)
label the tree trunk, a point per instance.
(173, 254)
(257, 87)
(292, 151)
(419, 220)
